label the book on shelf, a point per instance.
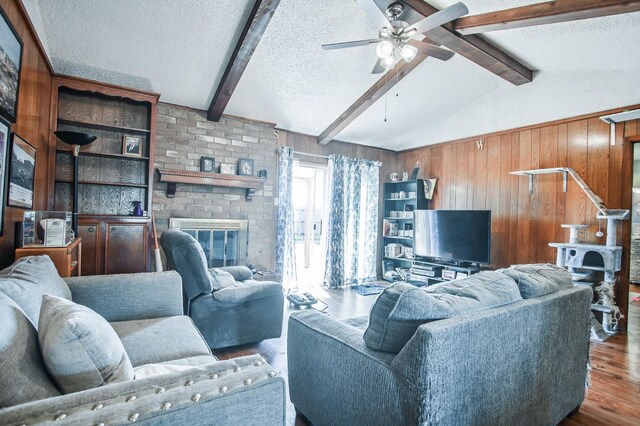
(422, 273)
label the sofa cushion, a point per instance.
(193, 361)
(155, 340)
(536, 280)
(79, 347)
(152, 370)
(27, 279)
(24, 377)
(221, 279)
(240, 273)
(174, 366)
(402, 308)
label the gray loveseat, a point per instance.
(146, 312)
(468, 352)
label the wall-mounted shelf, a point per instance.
(102, 154)
(104, 183)
(531, 173)
(101, 126)
(173, 177)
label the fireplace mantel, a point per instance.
(173, 177)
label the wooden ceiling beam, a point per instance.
(256, 24)
(375, 92)
(543, 13)
(475, 48)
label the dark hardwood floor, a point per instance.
(614, 396)
(613, 399)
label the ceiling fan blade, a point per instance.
(378, 68)
(433, 51)
(439, 18)
(345, 44)
(375, 14)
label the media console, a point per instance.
(431, 271)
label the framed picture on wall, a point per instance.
(10, 63)
(22, 171)
(4, 165)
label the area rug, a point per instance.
(368, 289)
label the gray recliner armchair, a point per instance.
(226, 304)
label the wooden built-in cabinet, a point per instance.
(110, 181)
(114, 245)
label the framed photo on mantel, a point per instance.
(245, 167)
(207, 164)
(228, 168)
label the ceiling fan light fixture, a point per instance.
(408, 52)
(388, 61)
(384, 49)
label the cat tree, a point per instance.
(578, 257)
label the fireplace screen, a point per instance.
(225, 242)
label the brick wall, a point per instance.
(184, 135)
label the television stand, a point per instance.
(425, 271)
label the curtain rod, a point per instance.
(377, 163)
(310, 155)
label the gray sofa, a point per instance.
(523, 361)
(145, 310)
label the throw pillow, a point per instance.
(151, 370)
(24, 376)
(402, 308)
(80, 348)
(221, 279)
(27, 279)
(539, 279)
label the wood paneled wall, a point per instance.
(523, 224)
(309, 144)
(32, 122)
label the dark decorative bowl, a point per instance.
(75, 138)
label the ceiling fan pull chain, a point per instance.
(397, 81)
(385, 107)
(386, 76)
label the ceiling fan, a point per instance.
(397, 39)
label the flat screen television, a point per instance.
(456, 235)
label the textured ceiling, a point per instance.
(176, 48)
(180, 49)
